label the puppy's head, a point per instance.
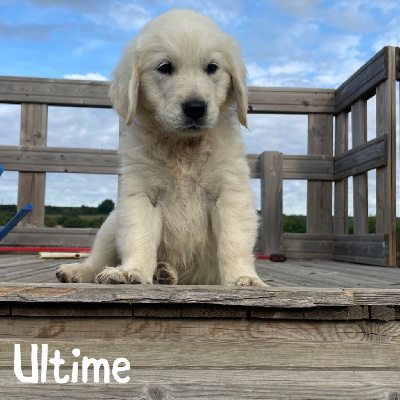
(182, 70)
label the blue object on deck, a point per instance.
(1, 169)
(12, 223)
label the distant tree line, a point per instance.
(67, 217)
(298, 224)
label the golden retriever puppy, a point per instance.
(185, 210)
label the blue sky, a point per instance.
(285, 43)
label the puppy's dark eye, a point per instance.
(165, 68)
(211, 68)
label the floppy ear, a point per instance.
(238, 75)
(125, 84)
(240, 90)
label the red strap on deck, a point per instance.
(38, 249)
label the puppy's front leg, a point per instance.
(138, 238)
(234, 223)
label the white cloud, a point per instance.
(294, 196)
(128, 16)
(298, 8)
(289, 68)
(342, 46)
(222, 15)
(255, 71)
(224, 12)
(87, 5)
(83, 127)
(386, 6)
(9, 187)
(332, 75)
(10, 123)
(286, 73)
(391, 36)
(339, 57)
(80, 189)
(89, 46)
(91, 76)
(329, 65)
(284, 133)
(350, 16)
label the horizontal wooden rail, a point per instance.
(295, 245)
(370, 155)
(55, 92)
(83, 93)
(265, 100)
(366, 249)
(296, 167)
(318, 168)
(304, 245)
(59, 159)
(363, 83)
(64, 237)
(97, 161)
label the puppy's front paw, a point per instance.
(73, 273)
(249, 281)
(118, 275)
(165, 274)
(112, 276)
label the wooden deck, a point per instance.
(311, 336)
(29, 268)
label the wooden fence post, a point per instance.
(271, 202)
(386, 176)
(360, 181)
(319, 193)
(32, 185)
(340, 224)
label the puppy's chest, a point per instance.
(185, 201)
(185, 190)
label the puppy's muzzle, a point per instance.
(194, 109)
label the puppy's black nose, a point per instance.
(194, 109)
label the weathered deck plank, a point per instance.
(238, 354)
(194, 384)
(266, 326)
(215, 295)
(28, 268)
(221, 369)
(284, 297)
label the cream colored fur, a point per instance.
(184, 194)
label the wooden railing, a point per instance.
(326, 235)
